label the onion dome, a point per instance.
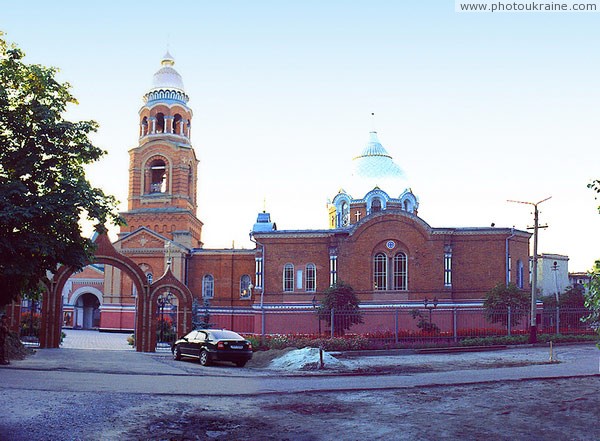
(166, 83)
(167, 78)
(375, 168)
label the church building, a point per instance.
(376, 242)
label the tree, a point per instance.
(500, 298)
(592, 301)
(43, 188)
(344, 302)
(595, 185)
(572, 297)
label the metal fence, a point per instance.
(29, 328)
(395, 325)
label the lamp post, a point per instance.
(536, 227)
(555, 271)
(163, 300)
(314, 304)
(430, 307)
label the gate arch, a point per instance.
(184, 299)
(145, 326)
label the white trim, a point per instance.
(85, 290)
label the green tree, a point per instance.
(43, 188)
(592, 301)
(500, 298)
(344, 302)
(572, 297)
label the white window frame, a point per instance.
(311, 277)
(288, 277)
(208, 286)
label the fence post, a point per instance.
(455, 324)
(332, 322)
(396, 326)
(557, 319)
(262, 326)
(509, 327)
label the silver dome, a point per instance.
(167, 78)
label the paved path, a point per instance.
(90, 339)
(135, 372)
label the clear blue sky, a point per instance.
(476, 108)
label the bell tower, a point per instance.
(163, 169)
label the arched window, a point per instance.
(345, 221)
(311, 277)
(149, 277)
(208, 286)
(288, 277)
(380, 272)
(160, 123)
(190, 186)
(158, 176)
(376, 205)
(520, 274)
(400, 272)
(144, 126)
(177, 126)
(245, 291)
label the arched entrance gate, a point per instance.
(146, 302)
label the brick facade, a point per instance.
(456, 265)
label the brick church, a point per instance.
(376, 242)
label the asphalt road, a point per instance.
(134, 372)
(76, 394)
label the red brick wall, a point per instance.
(478, 259)
(227, 268)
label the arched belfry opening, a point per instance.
(178, 124)
(160, 123)
(158, 175)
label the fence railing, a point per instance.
(393, 325)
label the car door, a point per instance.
(201, 342)
(188, 346)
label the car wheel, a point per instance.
(240, 363)
(204, 360)
(177, 353)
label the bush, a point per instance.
(500, 298)
(30, 325)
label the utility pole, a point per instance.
(536, 227)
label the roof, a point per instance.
(167, 78)
(375, 167)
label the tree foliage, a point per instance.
(572, 297)
(344, 302)
(43, 188)
(500, 298)
(595, 185)
(592, 301)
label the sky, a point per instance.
(476, 108)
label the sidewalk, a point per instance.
(92, 339)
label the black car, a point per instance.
(213, 345)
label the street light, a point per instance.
(314, 304)
(536, 227)
(555, 271)
(164, 300)
(430, 306)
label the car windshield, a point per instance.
(225, 335)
